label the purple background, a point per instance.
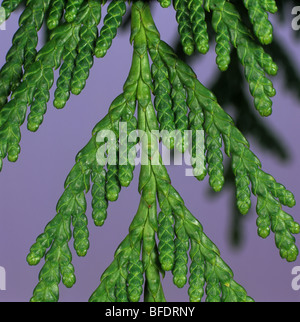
(30, 188)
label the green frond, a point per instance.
(185, 28)
(199, 26)
(164, 235)
(55, 13)
(112, 21)
(258, 14)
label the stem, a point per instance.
(147, 122)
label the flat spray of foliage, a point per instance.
(164, 235)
